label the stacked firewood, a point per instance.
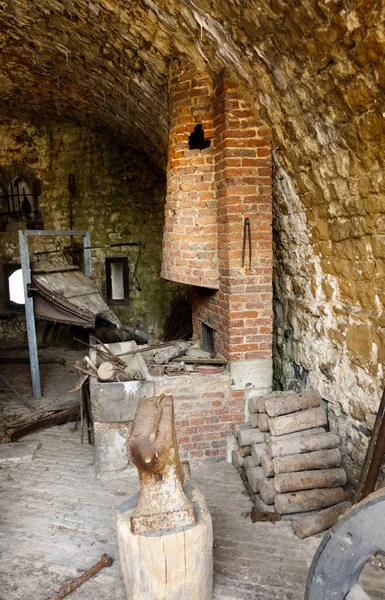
(292, 464)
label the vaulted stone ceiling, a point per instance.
(104, 62)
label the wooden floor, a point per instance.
(56, 520)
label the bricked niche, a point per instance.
(210, 193)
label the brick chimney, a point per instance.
(219, 196)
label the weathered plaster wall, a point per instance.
(119, 198)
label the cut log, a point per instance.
(245, 451)
(108, 371)
(308, 480)
(267, 490)
(305, 419)
(267, 466)
(254, 419)
(303, 527)
(308, 500)
(263, 422)
(238, 426)
(284, 405)
(249, 436)
(257, 451)
(254, 476)
(253, 405)
(295, 434)
(248, 462)
(167, 354)
(261, 404)
(303, 443)
(320, 459)
(237, 459)
(257, 405)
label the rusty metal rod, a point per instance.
(105, 561)
(368, 473)
(378, 455)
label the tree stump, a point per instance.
(170, 564)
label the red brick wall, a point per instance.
(204, 411)
(210, 194)
(241, 310)
(190, 234)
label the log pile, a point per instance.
(292, 463)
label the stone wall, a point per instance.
(316, 69)
(119, 198)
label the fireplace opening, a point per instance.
(208, 339)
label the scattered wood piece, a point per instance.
(307, 480)
(90, 363)
(308, 500)
(105, 561)
(303, 444)
(42, 421)
(320, 459)
(80, 382)
(249, 436)
(258, 515)
(304, 527)
(170, 353)
(287, 404)
(201, 361)
(146, 349)
(305, 419)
